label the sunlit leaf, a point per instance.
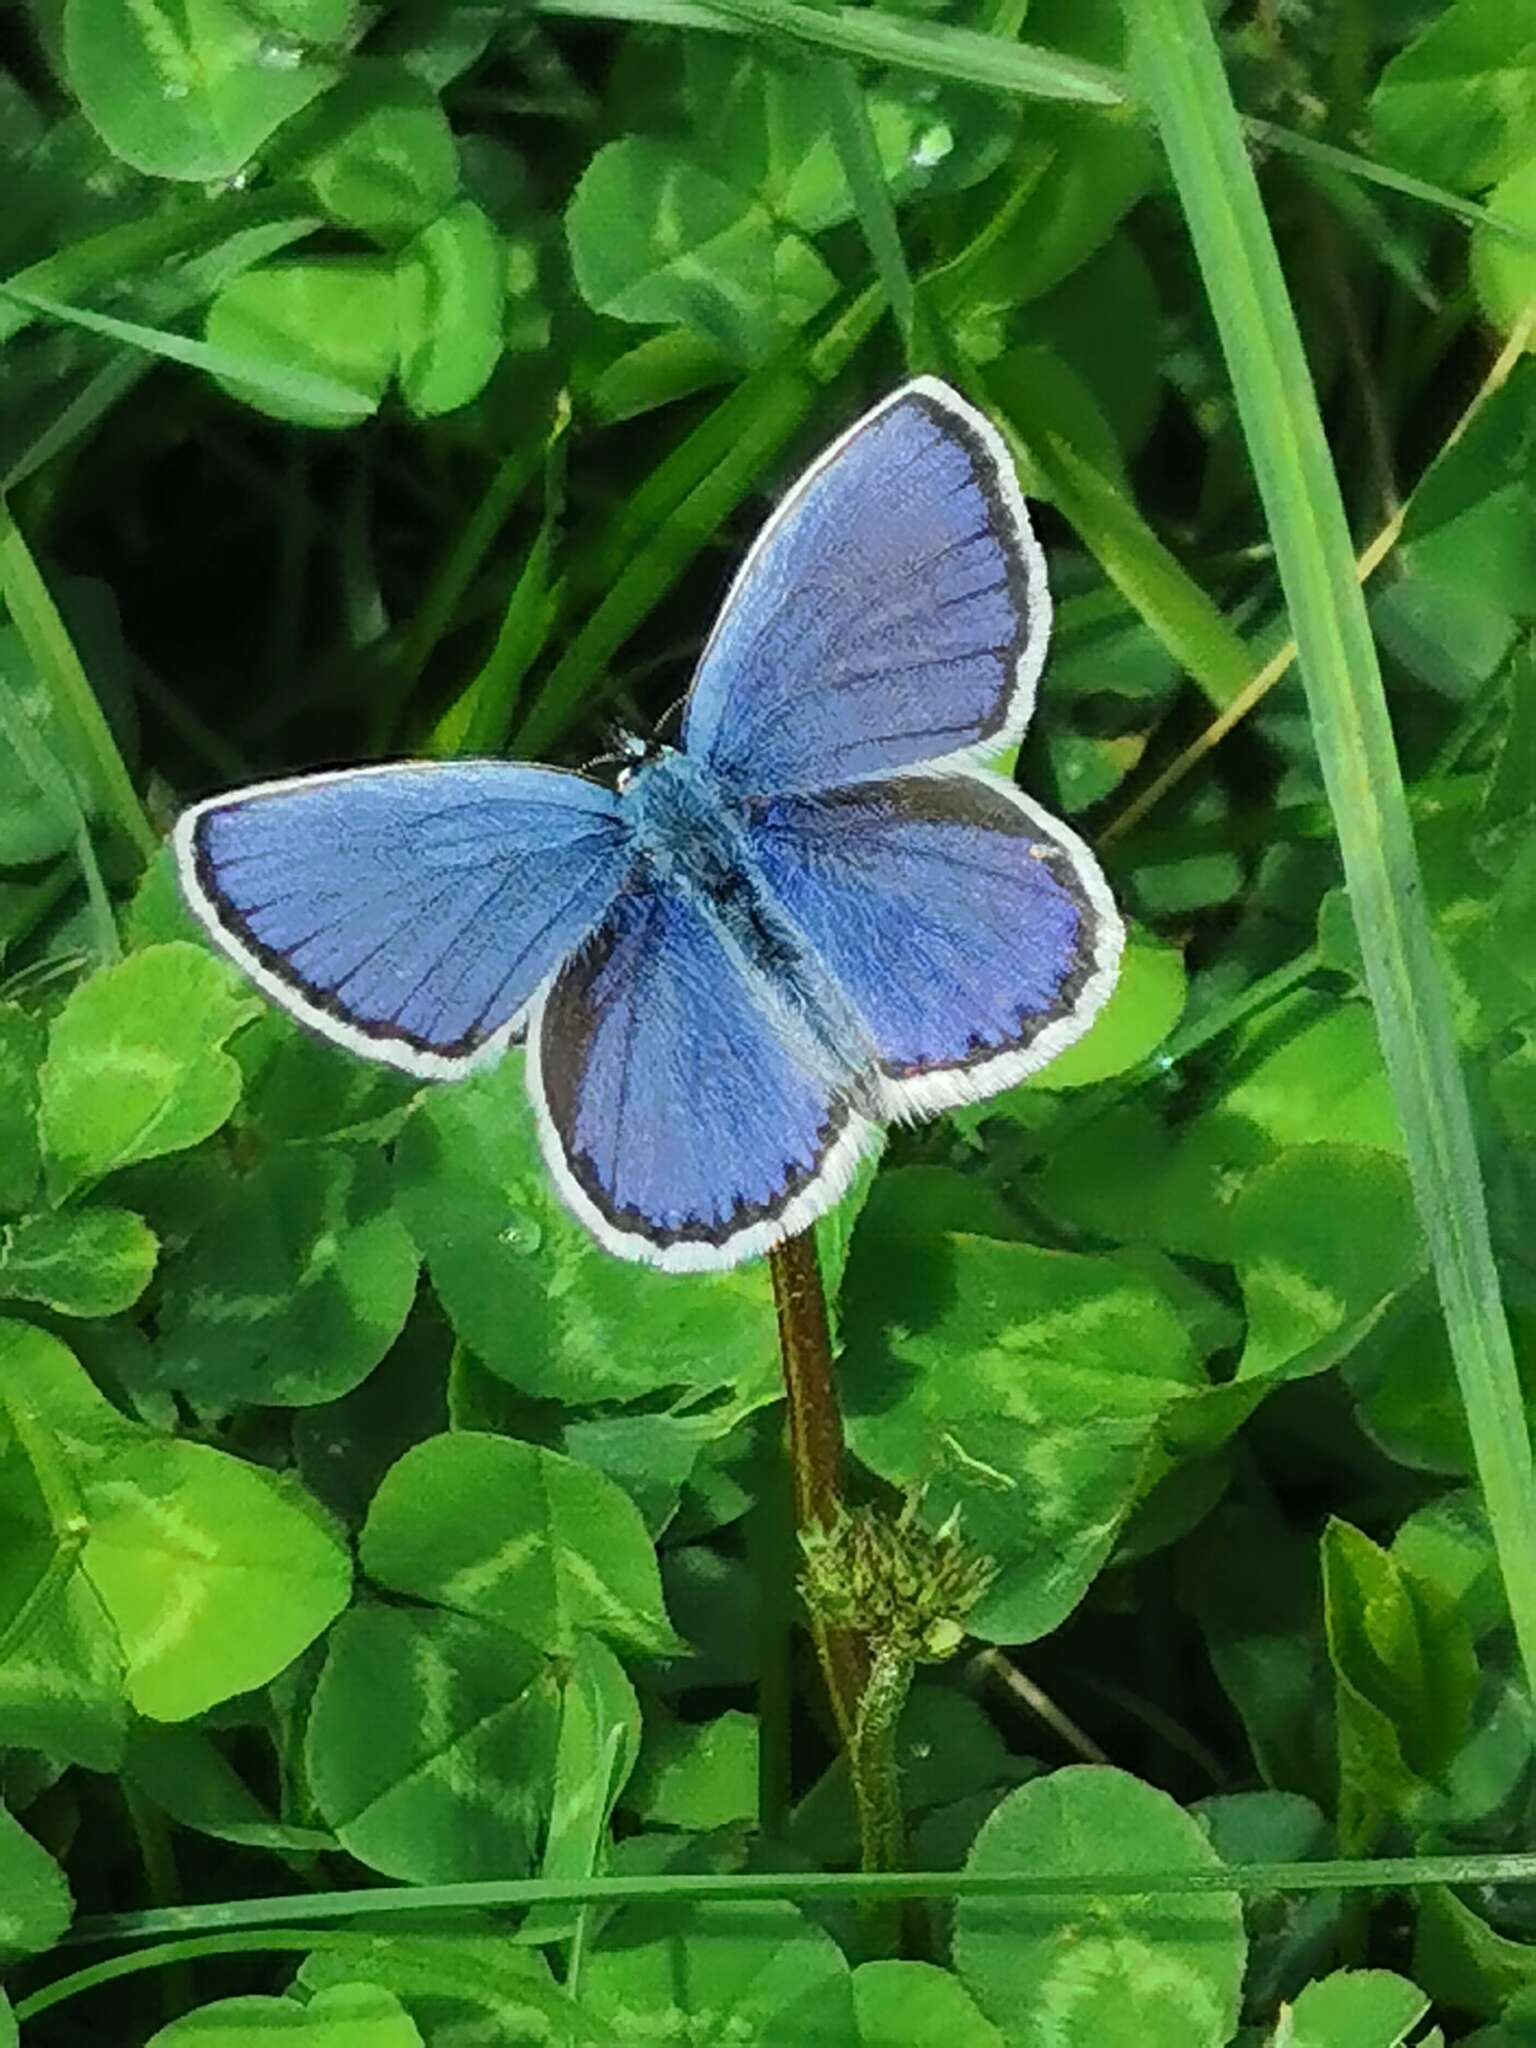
(518, 1535)
(1100, 1969)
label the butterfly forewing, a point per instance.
(893, 611)
(409, 912)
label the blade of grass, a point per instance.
(998, 64)
(196, 735)
(52, 778)
(1353, 165)
(614, 565)
(219, 1928)
(136, 247)
(854, 140)
(596, 565)
(461, 563)
(933, 48)
(105, 389)
(301, 387)
(781, 399)
(169, 292)
(1287, 824)
(480, 718)
(1148, 576)
(1373, 231)
(1152, 580)
(36, 619)
(1256, 689)
(1176, 61)
(24, 906)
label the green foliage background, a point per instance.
(408, 380)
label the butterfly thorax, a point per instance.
(680, 813)
(691, 831)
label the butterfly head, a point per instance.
(628, 752)
(635, 754)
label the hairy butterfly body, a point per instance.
(816, 915)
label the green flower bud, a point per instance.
(907, 1588)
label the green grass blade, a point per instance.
(461, 563)
(1353, 165)
(999, 64)
(708, 446)
(36, 618)
(1178, 65)
(52, 778)
(963, 54)
(193, 279)
(933, 48)
(103, 391)
(226, 1920)
(574, 685)
(854, 140)
(1150, 578)
(134, 248)
(299, 387)
(480, 718)
(782, 397)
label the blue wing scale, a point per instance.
(893, 611)
(408, 912)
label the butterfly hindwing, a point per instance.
(407, 912)
(894, 610)
(973, 934)
(685, 1124)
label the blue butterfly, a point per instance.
(814, 916)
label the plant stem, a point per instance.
(805, 1347)
(992, 1663)
(872, 1760)
(893, 1926)
(815, 1447)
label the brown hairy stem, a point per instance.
(816, 1447)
